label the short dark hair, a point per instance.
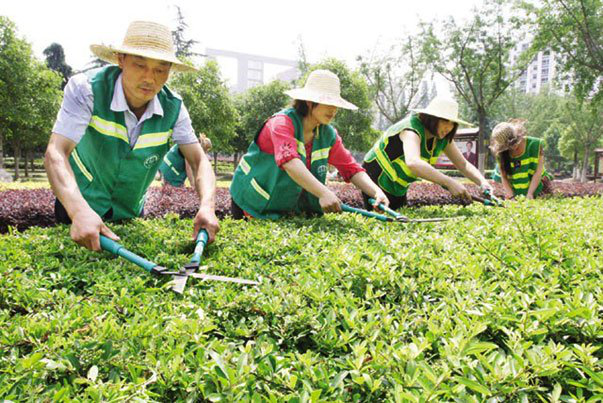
(301, 107)
(431, 124)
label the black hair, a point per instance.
(504, 161)
(431, 125)
(301, 107)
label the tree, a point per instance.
(354, 126)
(42, 94)
(255, 106)
(574, 28)
(211, 108)
(583, 133)
(395, 79)
(474, 57)
(183, 46)
(15, 59)
(55, 60)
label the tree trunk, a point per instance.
(17, 160)
(235, 160)
(32, 159)
(215, 163)
(1, 151)
(481, 156)
(585, 165)
(26, 165)
(576, 170)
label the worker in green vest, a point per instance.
(174, 168)
(409, 149)
(520, 161)
(285, 168)
(112, 132)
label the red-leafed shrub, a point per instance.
(25, 208)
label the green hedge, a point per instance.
(501, 304)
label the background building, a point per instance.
(251, 70)
(541, 72)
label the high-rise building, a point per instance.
(251, 70)
(541, 72)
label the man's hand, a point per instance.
(206, 218)
(329, 203)
(380, 198)
(458, 190)
(86, 227)
(486, 186)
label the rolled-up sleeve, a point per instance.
(278, 138)
(183, 129)
(76, 110)
(343, 160)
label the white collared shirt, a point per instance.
(78, 102)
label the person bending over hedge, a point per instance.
(285, 168)
(520, 162)
(409, 149)
(174, 168)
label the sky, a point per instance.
(336, 28)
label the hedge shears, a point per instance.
(395, 217)
(489, 199)
(178, 277)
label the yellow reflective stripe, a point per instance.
(258, 189)
(81, 166)
(529, 160)
(433, 160)
(320, 154)
(111, 129)
(388, 168)
(521, 185)
(301, 148)
(405, 168)
(244, 166)
(522, 175)
(169, 164)
(152, 139)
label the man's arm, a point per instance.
(205, 186)
(86, 224)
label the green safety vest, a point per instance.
(264, 190)
(524, 167)
(173, 167)
(397, 176)
(110, 174)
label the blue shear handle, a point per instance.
(385, 208)
(365, 213)
(201, 241)
(117, 249)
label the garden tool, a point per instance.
(178, 278)
(193, 265)
(401, 218)
(489, 199)
(385, 218)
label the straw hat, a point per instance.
(444, 108)
(146, 39)
(323, 87)
(506, 135)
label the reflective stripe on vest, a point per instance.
(80, 165)
(152, 139)
(110, 129)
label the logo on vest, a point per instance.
(151, 160)
(322, 170)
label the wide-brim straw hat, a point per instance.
(323, 87)
(146, 39)
(506, 135)
(444, 108)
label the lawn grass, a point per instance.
(501, 304)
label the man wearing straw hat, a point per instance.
(112, 132)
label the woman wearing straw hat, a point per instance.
(409, 149)
(284, 170)
(112, 132)
(520, 162)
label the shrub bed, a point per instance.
(25, 208)
(502, 305)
